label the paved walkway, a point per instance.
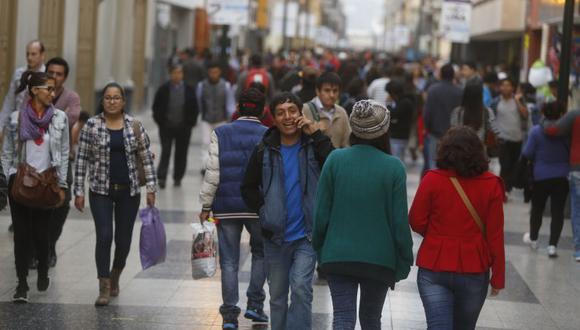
(541, 293)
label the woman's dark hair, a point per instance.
(284, 97)
(84, 116)
(472, 104)
(447, 72)
(251, 102)
(395, 88)
(101, 108)
(31, 79)
(382, 142)
(461, 150)
(356, 87)
(553, 110)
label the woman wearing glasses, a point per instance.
(37, 134)
(113, 145)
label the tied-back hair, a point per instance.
(472, 105)
(461, 150)
(31, 79)
(101, 108)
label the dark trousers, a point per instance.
(344, 289)
(557, 190)
(60, 214)
(509, 153)
(31, 230)
(124, 207)
(181, 137)
(452, 301)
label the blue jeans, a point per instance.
(290, 266)
(575, 209)
(431, 143)
(229, 235)
(452, 300)
(398, 148)
(344, 289)
(125, 208)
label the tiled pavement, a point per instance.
(541, 293)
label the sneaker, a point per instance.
(256, 315)
(577, 256)
(230, 325)
(533, 244)
(43, 283)
(21, 295)
(552, 253)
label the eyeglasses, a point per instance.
(49, 89)
(113, 98)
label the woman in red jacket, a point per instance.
(462, 235)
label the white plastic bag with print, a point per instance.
(204, 250)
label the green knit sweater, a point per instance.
(361, 211)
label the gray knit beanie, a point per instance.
(369, 119)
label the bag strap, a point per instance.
(314, 111)
(137, 132)
(469, 206)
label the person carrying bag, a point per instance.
(35, 158)
(458, 209)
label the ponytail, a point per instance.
(23, 81)
(30, 79)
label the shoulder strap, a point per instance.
(137, 130)
(20, 144)
(314, 111)
(469, 206)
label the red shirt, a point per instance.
(452, 241)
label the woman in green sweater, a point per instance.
(361, 232)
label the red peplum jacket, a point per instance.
(452, 241)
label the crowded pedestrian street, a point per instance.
(541, 292)
(290, 164)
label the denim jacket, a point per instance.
(58, 144)
(263, 185)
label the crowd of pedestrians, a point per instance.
(308, 152)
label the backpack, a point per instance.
(258, 75)
(314, 111)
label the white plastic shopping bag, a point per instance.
(204, 250)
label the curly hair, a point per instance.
(461, 150)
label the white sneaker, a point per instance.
(533, 244)
(552, 251)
